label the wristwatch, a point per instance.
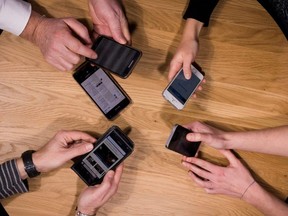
(28, 164)
(78, 213)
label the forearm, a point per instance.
(192, 30)
(269, 141)
(264, 201)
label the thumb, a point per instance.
(79, 149)
(230, 156)
(196, 137)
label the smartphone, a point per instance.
(179, 90)
(177, 142)
(115, 57)
(102, 88)
(109, 151)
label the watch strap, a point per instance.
(29, 166)
(78, 213)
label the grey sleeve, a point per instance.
(10, 180)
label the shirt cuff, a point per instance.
(10, 180)
(14, 15)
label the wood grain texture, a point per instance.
(244, 55)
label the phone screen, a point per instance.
(177, 142)
(109, 151)
(117, 58)
(181, 88)
(104, 91)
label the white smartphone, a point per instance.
(179, 90)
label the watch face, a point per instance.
(29, 166)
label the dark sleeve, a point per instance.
(10, 180)
(200, 10)
(2, 211)
(278, 9)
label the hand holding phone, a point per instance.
(177, 142)
(179, 90)
(115, 57)
(109, 151)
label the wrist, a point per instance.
(251, 194)
(82, 212)
(192, 30)
(39, 161)
(21, 168)
(29, 33)
(228, 141)
(28, 164)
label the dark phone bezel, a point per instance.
(128, 70)
(82, 172)
(83, 72)
(178, 129)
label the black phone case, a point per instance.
(80, 170)
(84, 71)
(121, 63)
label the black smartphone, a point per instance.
(102, 89)
(177, 142)
(115, 57)
(109, 151)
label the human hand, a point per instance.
(233, 180)
(92, 198)
(64, 146)
(209, 135)
(187, 50)
(184, 57)
(56, 40)
(109, 19)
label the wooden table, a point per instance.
(244, 55)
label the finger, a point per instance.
(230, 156)
(197, 126)
(174, 68)
(125, 29)
(187, 67)
(77, 47)
(78, 149)
(69, 59)
(199, 88)
(116, 31)
(203, 164)
(108, 185)
(114, 187)
(63, 63)
(56, 64)
(196, 137)
(103, 189)
(199, 171)
(200, 182)
(71, 136)
(118, 173)
(79, 29)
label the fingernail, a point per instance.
(110, 174)
(187, 76)
(89, 147)
(184, 163)
(94, 56)
(189, 137)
